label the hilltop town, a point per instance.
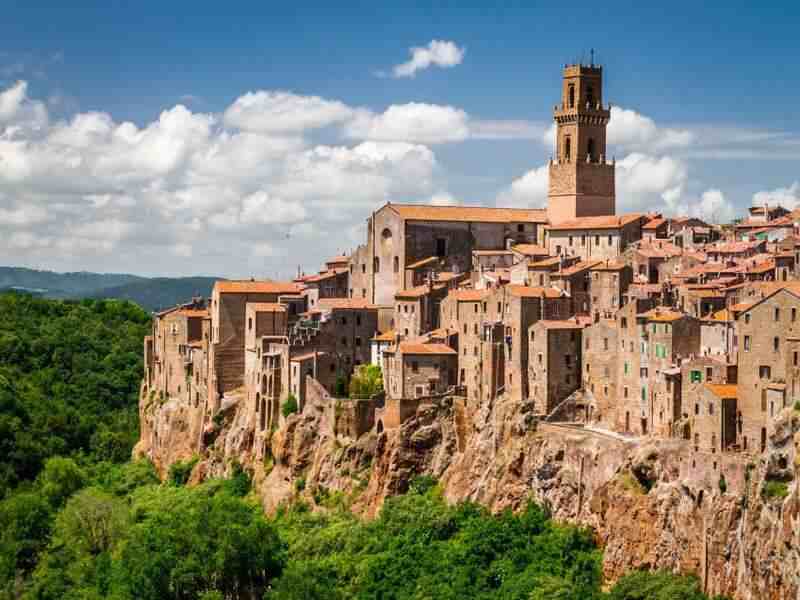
(639, 325)
(637, 373)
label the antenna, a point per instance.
(591, 52)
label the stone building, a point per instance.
(769, 364)
(417, 309)
(608, 283)
(555, 363)
(417, 370)
(399, 235)
(594, 238)
(581, 179)
(599, 370)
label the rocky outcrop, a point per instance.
(732, 520)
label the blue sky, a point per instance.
(710, 93)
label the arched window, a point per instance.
(571, 95)
(567, 148)
(590, 149)
(589, 95)
(386, 234)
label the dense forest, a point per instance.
(80, 521)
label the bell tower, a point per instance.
(581, 179)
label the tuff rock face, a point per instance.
(652, 504)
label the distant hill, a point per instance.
(159, 292)
(60, 285)
(150, 293)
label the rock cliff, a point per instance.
(734, 521)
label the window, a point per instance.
(571, 96)
(567, 148)
(696, 408)
(589, 95)
(476, 308)
(747, 343)
(414, 366)
(777, 314)
(626, 368)
(590, 149)
(344, 341)
(441, 247)
(540, 358)
(583, 239)
(358, 341)
(568, 360)
(709, 373)
(794, 314)
(344, 320)
(358, 320)
(465, 329)
(520, 228)
(764, 371)
(475, 328)
(364, 268)
(396, 264)
(625, 391)
(794, 359)
(605, 343)
(624, 323)
(710, 408)
(570, 240)
(597, 240)
(610, 240)
(776, 344)
(500, 307)
(587, 343)
(747, 318)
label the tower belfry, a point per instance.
(581, 178)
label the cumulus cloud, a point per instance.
(438, 53)
(527, 191)
(644, 181)
(788, 197)
(413, 122)
(284, 112)
(190, 191)
(443, 199)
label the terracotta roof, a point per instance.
(266, 307)
(609, 265)
(722, 315)
(344, 304)
(418, 291)
(599, 222)
(491, 252)
(386, 336)
(530, 250)
(722, 391)
(547, 262)
(732, 247)
(565, 324)
(475, 214)
(654, 223)
(524, 291)
(337, 259)
(324, 275)
(194, 312)
(417, 348)
(469, 295)
(578, 267)
(423, 262)
(256, 287)
(660, 315)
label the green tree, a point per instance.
(290, 405)
(366, 381)
(60, 478)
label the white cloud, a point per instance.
(643, 180)
(284, 112)
(188, 191)
(527, 191)
(438, 53)
(413, 122)
(713, 207)
(788, 197)
(443, 199)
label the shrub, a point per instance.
(422, 484)
(723, 485)
(180, 471)
(290, 406)
(775, 490)
(300, 484)
(797, 406)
